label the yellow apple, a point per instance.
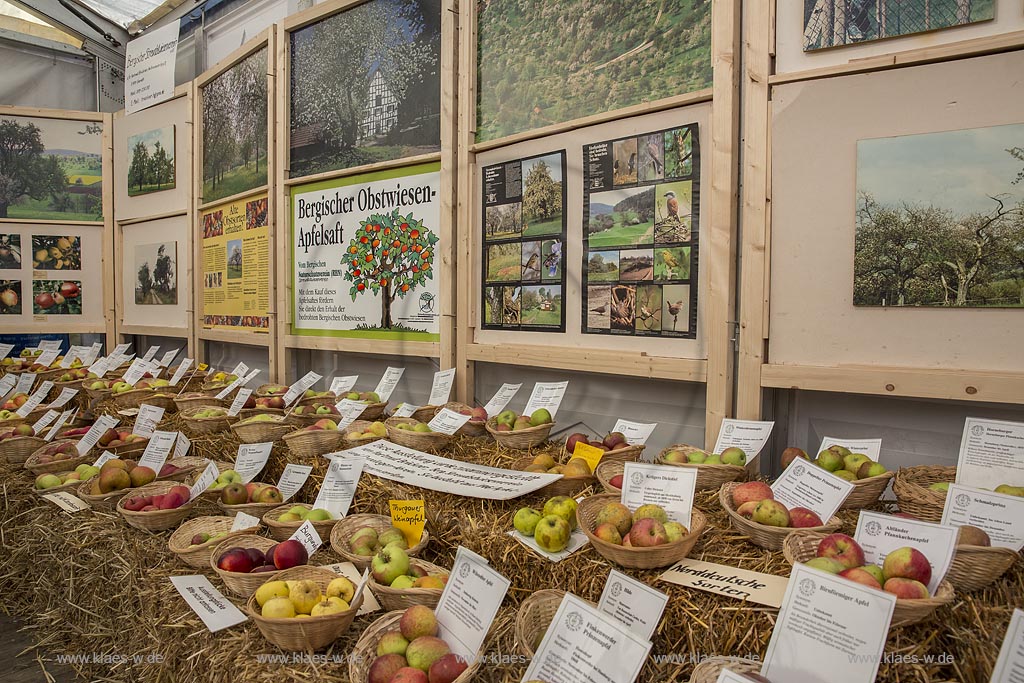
(278, 608)
(342, 588)
(304, 595)
(271, 590)
(329, 606)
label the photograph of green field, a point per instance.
(672, 212)
(603, 266)
(542, 63)
(542, 196)
(621, 218)
(151, 168)
(51, 169)
(502, 221)
(648, 308)
(542, 305)
(504, 262)
(672, 263)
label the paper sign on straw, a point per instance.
(409, 516)
(306, 535)
(244, 521)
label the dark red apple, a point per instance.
(235, 560)
(69, 290)
(570, 443)
(257, 556)
(44, 300)
(289, 554)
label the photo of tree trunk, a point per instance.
(940, 219)
(235, 129)
(151, 165)
(156, 274)
(366, 86)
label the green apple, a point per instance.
(421, 427)
(402, 582)
(552, 533)
(525, 521)
(541, 416)
(318, 515)
(734, 456)
(506, 417)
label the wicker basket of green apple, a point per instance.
(306, 414)
(644, 538)
(285, 519)
(357, 538)
(55, 482)
(205, 419)
(520, 431)
(411, 433)
(316, 398)
(869, 478)
(713, 469)
(921, 491)
(374, 409)
(399, 581)
(323, 436)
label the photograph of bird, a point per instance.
(671, 263)
(632, 164)
(674, 309)
(672, 205)
(603, 308)
(553, 259)
(655, 152)
(532, 263)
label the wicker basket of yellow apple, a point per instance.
(157, 506)
(247, 562)
(905, 572)
(58, 456)
(306, 414)
(261, 428)
(117, 478)
(520, 431)
(194, 541)
(357, 538)
(400, 581)
(374, 409)
(409, 432)
(284, 520)
(713, 469)
(218, 380)
(644, 538)
(19, 442)
(321, 437)
(65, 481)
(576, 474)
(754, 512)
(205, 419)
(408, 639)
(254, 498)
(869, 478)
(304, 608)
(362, 432)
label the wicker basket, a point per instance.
(262, 390)
(186, 402)
(710, 669)
(158, 520)
(566, 486)
(326, 399)
(16, 449)
(71, 486)
(187, 466)
(198, 426)
(129, 448)
(637, 558)
(606, 471)
(801, 545)
(12, 422)
(210, 494)
(404, 598)
(975, 567)
(309, 444)
(345, 527)
(373, 411)
(198, 556)
(254, 509)
(282, 531)
(103, 501)
(237, 582)
(246, 413)
(708, 476)
(33, 465)
(624, 454)
(913, 495)
(866, 491)
(471, 428)
(59, 387)
(521, 439)
(365, 650)
(429, 442)
(95, 396)
(534, 617)
(768, 537)
(358, 427)
(313, 633)
(425, 413)
(261, 432)
(132, 398)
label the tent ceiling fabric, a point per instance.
(122, 12)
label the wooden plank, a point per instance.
(203, 206)
(199, 350)
(113, 273)
(961, 385)
(369, 168)
(253, 45)
(153, 217)
(283, 291)
(191, 271)
(276, 242)
(233, 337)
(318, 12)
(151, 331)
(447, 255)
(43, 113)
(382, 347)
(465, 379)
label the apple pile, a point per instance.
(755, 501)
(118, 475)
(276, 402)
(12, 404)
(76, 432)
(392, 567)
(273, 390)
(73, 373)
(300, 513)
(730, 456)
(99, 384)
(14, 432)
(508, 421)
(221, 378)
(367, 541)
(224, 478)
(905, 572)
(283, 555)
(576, 467)
(366, 397)
(550, 528)
(413, 653)
(237, 493)
(414, 426)
(83, 472)
(311, 393)
(295, 599)
(262, 417)
(840, 461)
(477, 414)
(203, 537)
(321, 425)
(315, 409)
(648, 527)
(611, 442)
(113, 438)
(209, 412)
(173, 499)
(55, 452)
(374, 430)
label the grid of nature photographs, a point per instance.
(640, 213)
(524, 244)
(47, 257)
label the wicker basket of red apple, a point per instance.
(70, 378)
(375, 407)
(254, 498)
(869, 478)
(19, 442)
(534, 617)
(306, 414)
(477, 424)
(614, 445)
(709, 670)
(411, 433)
(200, 420)
(357, 538)
(639, 539)
(713, 469)
(71, 431)
(262, 405)
(157, 506)
(520, 431)
(194, 541)
(905, 572)
(193, 399)
(754, 512)
(304, 608)
(362, 432)
(58, 456)
(246, 563)
(316, 398)
(921, 490)
(400, 581)
(403, 647)
(576, 474)
(321, 437)
(609, 474)
(284, 520)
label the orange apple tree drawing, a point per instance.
(391, 255)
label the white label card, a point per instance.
(7, 383)
(468, 604)
(577, 540)
(726, 676)
(251, 459)
(66, 502)
(730, 582)
(180, 372)
(809, 486)
(91, 354)
(216, 611)
(135, 371)
(47, 357)
(880, 534)
(748, 435)
(181, 445)
(25, 382)
(241, 381)
(204, 481)
(670, 487)
(441, 389)
(348, 411)
(546, 395)
(340, 385)
(991, 453)
(168, 357)
(43, 422)
(35, 399)
(70, 356)
(5, 350)
(292, 479)
(636, 433)
(1010, 665)
(240, 398)
(502, 397)
(66, 394)
(339, 487)
(388, 382)
(100, 367)
(50, 345)
(633, 603)
(99, 427)
(1001, 516)
(448, 421)
(299, 388)
(306, 535)
(61, 421)
(405, 410)
(158, 450)
(244, 521)
(806, 634)
(150, 353)
(350, 572)
(239, 370)
(148, 418)
(585, 645)
(869, 447)
(104, 457)
(120, 349)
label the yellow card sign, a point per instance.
(592, 454)
(410, 516)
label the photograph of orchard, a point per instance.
(365, 86)
(235, 129)
(542, 63)
(541, 306)
(51, 169)
(156, 282)
(542, 195)
(621, 217)
(940, 219)
(151, 168)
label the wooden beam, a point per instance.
(383, 347)
(465, 378)
(448, 254)
(366, 168)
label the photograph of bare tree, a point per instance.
(940, 219)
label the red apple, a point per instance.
(747, 509)
(289, 553)
(447, 669)
(647, 533)
(385, 667)
(802, 518)
(907, 563)
(616, 481)
(235, 560)
(842, 549)
(44, 300)
(859, 575)
(791, 454)
(906, 589)
(69, 290)
(751, 491)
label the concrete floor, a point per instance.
(20, 661)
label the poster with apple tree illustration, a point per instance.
(364, 251)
